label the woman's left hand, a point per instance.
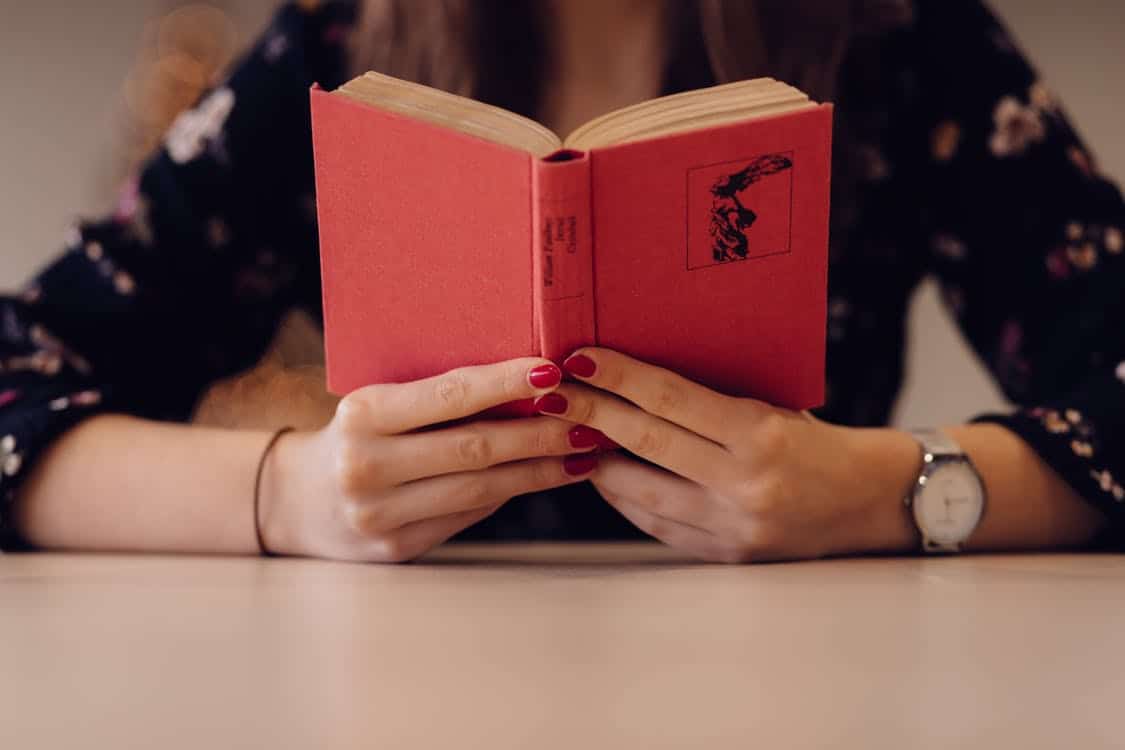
(735, 479)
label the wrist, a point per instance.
(279, 492)
(883, 468)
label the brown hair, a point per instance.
(490, 49)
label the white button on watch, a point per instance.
(948, 498)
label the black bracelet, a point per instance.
(258, 486)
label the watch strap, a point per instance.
(937, 443)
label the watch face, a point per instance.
(949, 505)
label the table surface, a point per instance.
(561, 646)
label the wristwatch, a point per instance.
(948, 499)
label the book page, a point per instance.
(677, 113)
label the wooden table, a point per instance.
(567, 646)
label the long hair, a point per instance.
(492, 49)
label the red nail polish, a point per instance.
(544, 376)
(580, 366)
(576, 466)
(525, 407)
(581, 436)
(607, 443)
(552, 403)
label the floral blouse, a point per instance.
(965, 169)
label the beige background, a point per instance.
(63, 64)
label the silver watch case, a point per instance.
(938, 451)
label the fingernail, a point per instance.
(580, 366)
(524, 407)
(576, 466)
(607, 443)
(552, 403)
(544, 376)
(582, 436)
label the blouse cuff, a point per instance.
(1067, 441)
(28, 425)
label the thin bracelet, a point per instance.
(258, 486)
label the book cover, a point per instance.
(425, 246)
(711, 254)
(702, 251)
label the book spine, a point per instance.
(562, 254)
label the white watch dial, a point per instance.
(949, 505)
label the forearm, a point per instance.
(124, 484)
(1029, 506)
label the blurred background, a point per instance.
(78, 79)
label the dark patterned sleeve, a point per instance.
(1026, 237)
(186, 282)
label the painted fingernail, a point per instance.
(576, 466)
(607, 444)
(580, 366)
(552, 403)
(582, 436)
(544, 376)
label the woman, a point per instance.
(952, 160)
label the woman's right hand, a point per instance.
(374, 486)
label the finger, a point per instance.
(686, 538)
(455, 493)
(658, 492)
(399, 407)
(658, 391)
(416, 539)
(636, 490)
(675, 448)
(473, 447)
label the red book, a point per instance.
(690, 232)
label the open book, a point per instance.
(690, 231)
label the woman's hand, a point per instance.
(736, 479)
(372, 486)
